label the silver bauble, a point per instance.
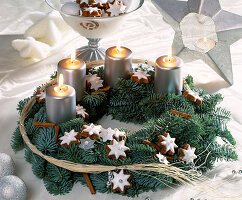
(12, 188)
(6, 165)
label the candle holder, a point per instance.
(94, 29)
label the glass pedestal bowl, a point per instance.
(94, 28)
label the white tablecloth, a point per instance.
(148, 36)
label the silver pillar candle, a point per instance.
(168, 75)
(118, 64)
(74, 72)
(60, 103)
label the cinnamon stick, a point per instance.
(175, 112)
(43, 124)
(89, 183)
(152, 145)
(57, 129)
(102, 90)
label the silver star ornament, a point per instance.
(203, 30)
(87, 143)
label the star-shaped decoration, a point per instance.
(187, 154)
(96, 84)
(148, 67)
(107, 134)
(121, 181)
(193, 96)
(92, 129)
(212, 23)
(167, 143)
(91, 77)
(116, 8)
(117, 150)
(87, 143)
(93, 81)
(119, 134)
(68, 137)
(162, 159)
(41, 96)
(140, 77)
(80, 110)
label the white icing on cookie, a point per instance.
(195, 95)
(119, 133)
(96, 84)
(117, 149)
(189, 154)
(91, 77)
(92, 9)
(169, 143)
(81, 111)
(95, 81)
(162, 159)
(92, 129)
(100, 1)
(107, 134)
(41, 96)
(69, 137)
(84, 1)
(141, 75)
(116, 8)
(120, 180)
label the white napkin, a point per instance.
(46, 33)
(31, 48)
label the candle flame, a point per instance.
(205, 39)
(73, 55)
(170, 54)
(61, 80)
(118, 46)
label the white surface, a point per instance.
(148, 36)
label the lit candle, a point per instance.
(118, 64)
(205, 44)
(74, 72)
(60, 102)
(168, 74)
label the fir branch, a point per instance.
(17, 142)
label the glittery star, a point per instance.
(68, 137)
(227, 30)
(148, 68)
(87, 143)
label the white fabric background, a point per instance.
(148, 36)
